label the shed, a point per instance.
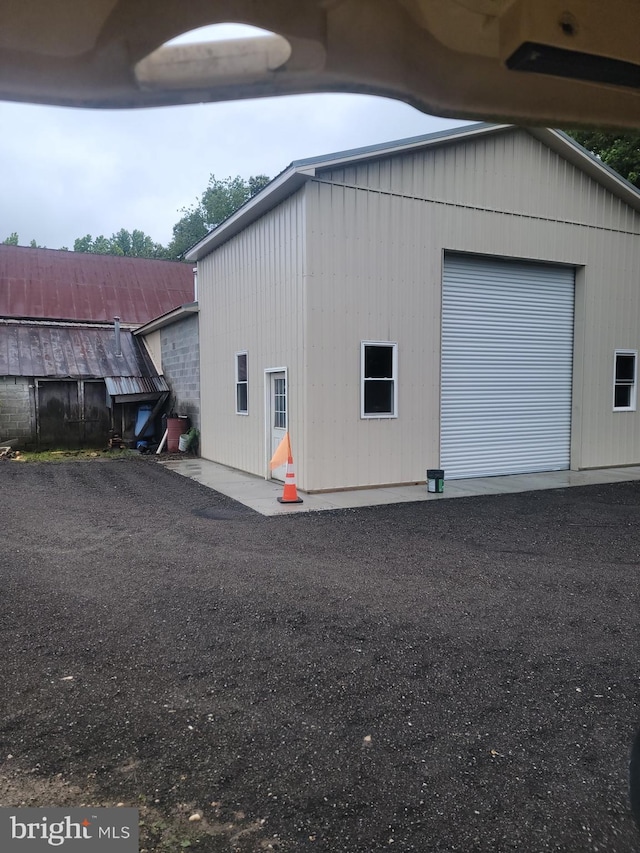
(466, 300)
(70, 384)
(173, 342)
(61, 382)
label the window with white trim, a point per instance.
(625, 369)
(378, 379)
(242, 384)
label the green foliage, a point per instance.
(219, 201)
(620, 151)
(14, 240)
(187, 231)
(134, 244)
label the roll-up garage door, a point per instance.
(507, 354)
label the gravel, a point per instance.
(443, 676)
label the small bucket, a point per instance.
(183, 442)
(435, 480)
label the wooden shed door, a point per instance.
(58, 415)
(72, 414)
(96, 421)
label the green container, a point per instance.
(435, 480)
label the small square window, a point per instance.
(378, 380)
(242, 384)
(625, 380)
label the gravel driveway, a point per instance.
(455, 676)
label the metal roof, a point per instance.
(168, 319)
(302, 171)
(40, 349)
(58, 285)
(123, 386)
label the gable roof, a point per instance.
(60, 285)
(300, 171)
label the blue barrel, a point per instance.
(143, 413)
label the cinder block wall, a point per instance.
(181, 366)
(17, 415)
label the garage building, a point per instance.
(467, 300)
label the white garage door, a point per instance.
(507, 353)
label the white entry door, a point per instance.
(278, 417)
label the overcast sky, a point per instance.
(65, 173)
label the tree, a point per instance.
(14, 240)
(83, 244)
(135, 244)
(187, 231)
(620, 151)
(219, 201)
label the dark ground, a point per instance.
(459, 675)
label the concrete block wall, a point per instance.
(17, 409)
(181, 366)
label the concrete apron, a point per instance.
(262, 495)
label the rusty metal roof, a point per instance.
(122, 386)
(39, 349)
(58, 285)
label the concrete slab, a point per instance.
(261, 495)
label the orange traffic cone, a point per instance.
(290, 493)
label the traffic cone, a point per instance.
(290, 493)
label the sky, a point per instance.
(68, 172)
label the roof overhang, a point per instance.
(135, 389)
(300, 171)
(167, 319)
(587, 162)
(276, 191)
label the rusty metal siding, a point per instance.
(47, 350)
(53, 284)
(118, 386)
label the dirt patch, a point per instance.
(187, 826)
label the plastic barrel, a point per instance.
(176, 428)
(143, 413)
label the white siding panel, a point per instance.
(375, 273)
(507, 352)
(511, 172)
(251, 298)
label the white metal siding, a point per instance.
(251, 298)
(507, 354)
(357, 256)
